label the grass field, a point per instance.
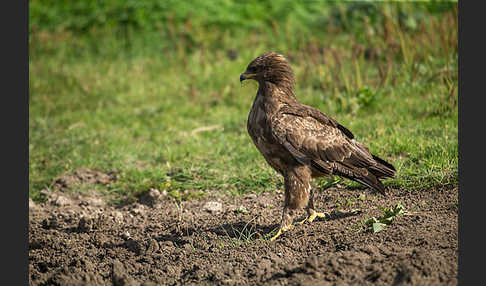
(163, 106)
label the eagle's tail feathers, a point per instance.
(372, 182)
(383, 169)
(366, 178)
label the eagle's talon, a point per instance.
(280, 231)
(315, 215)
(303, 221)
(276, 235)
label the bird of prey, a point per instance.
(300, 142)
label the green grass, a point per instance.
(170, 113)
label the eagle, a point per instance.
(300, 142)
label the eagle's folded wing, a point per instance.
(310, 139)
(326, 147)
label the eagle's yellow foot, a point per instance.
(302, 221)
(312, 217)
(280, 231)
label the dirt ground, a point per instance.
(76, 238)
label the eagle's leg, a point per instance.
(297, 187)
(311, 213)
(286, 224)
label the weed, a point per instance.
(244, 236)
(389, 214)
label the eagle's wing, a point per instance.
(319, 141)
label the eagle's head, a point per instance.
(270, 67)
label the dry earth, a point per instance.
(76, 238)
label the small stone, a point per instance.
(213, 207)
(61, 201)
(97, 202)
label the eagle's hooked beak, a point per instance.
(245, 75)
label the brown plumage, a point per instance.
(300, 142)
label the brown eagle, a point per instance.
(300, 142)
